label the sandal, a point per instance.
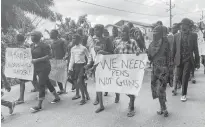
(160, 112)
(131, 113)
(82, 102)
(96, 103)
(60, 92)
(34, 90)
(99, 109)
(18, 102)
(166, 114)
(88, 98)
(76, 97)
(36, 109)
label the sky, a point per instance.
(147, 11)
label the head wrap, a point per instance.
(159, 37)
(159, 23)
(99, 27)
(55, 31)
(125, 28)
(37, 34)
(130, 25)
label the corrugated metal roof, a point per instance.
(135, 22)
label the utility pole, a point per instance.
(170, 11)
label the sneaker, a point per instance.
(55, 101)
(36, 109)
(183, 98)
(11, 109)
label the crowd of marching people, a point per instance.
(173, 54)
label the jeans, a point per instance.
(44, 81)
(184, 72)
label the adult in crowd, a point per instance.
(126, 45)
(185, 44)
(20, 43)
(67, 56)
(203, 56)
(41, 53)
(83, 37)
(193, 66)
(102, 45)
(112, 39)
(106, 33)
(159, 55)
(5, 84)
(90, 39)
(76, 66)
(136, 34)
(172, 69)
(58, 48)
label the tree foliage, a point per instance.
(12, 8)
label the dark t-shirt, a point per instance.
(38, 51)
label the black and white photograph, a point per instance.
(102, 63)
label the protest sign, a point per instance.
(58, 70)
(18, 63)
(120, 73)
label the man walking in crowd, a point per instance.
(41, 53)
(185, 44)
(58, 52)
(20, 43)
(125, 45)
(159, 55)
(83, 37)
(76, 66)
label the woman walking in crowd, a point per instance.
(76, 67)
(41, 53)
(159, 54)
(125, 45)
(185, 44)
(112, 40)
(102, 46)
(58, 52)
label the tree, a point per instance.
(84, 23)
(11, 8)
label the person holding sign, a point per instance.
(103, 46)
(126, 45)
(159, 53)
(58, 52)
(76, 67)
(41, 53)
(20, 43)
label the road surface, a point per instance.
(69, 113)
